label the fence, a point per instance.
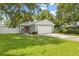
(5, 30)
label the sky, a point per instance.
(51, 7)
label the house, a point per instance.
(6, 30)
(72, 25)
(37, 27)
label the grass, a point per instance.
(74, 34)
(34, 45)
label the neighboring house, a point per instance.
(70, 25)
(39, 27)
(5, 30)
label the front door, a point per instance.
(26, 29)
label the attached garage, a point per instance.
(44, 29)
(40, 27)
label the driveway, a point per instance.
(63, 36)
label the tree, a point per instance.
(18, 13)
(44, 14)
(2, 16)
(67, 13)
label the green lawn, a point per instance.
(15, 44)
(74, 34)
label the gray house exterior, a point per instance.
(37, 27)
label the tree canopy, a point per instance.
(17, 12)
(44, 14)
(67, 13)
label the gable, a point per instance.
(44, 22)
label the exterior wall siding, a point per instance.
(45, 29)
(5, 30)
(32, 28)
(41, 29)
(52, 29)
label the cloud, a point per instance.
(43, 7)
(53, 12)
(51, 8)
(51, 4)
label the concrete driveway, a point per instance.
(63, 36)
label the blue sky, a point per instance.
(51, 7)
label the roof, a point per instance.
(36, 22)
(26, 23)
(44, 22)
(70, 25)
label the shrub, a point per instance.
(74, 30)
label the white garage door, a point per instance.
(44, 29)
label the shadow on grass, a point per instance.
(10, 42)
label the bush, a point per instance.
(57, 29)
(74, 30)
